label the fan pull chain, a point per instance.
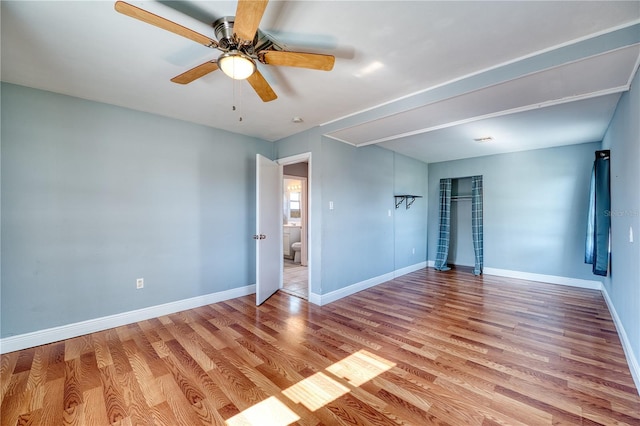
(240, 86)
(239, 118)
(233, 107)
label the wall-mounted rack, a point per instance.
(407, 199)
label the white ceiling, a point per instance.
(422, 78)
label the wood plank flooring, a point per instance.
(426, 348)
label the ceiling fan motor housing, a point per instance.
(223, 29)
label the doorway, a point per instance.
(295, 213)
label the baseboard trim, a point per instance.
(550, 279)
(354, 288)
(632, 360)
(54, 334)
(530, 276)
(409, 269)
(315, 298)
(323, 299)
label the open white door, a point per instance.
(268, 228)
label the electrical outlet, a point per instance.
(413, 251)
(140, 283)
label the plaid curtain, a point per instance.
(476, 223)
(599, 220)
(445, 225)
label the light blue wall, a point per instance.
(95, 196)
(410, 226)
(623, 285)
(535, 205)
(357, 235)
(358, 240)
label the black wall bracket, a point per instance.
(407, 199)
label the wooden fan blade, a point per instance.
(195, 73)
(262, 88)
(165, 24)
(314, 61)
(248, 16)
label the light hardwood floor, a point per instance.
(426, 348)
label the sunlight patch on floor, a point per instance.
(360, 367)
(270, 412)
(315, 391)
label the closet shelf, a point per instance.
(406, 198)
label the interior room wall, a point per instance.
(357, 234)
(358, 240)
(535, 205)
(95, 196)
(623, 283)
(410, 225)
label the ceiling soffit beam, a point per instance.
(560, 55)
(591, 77)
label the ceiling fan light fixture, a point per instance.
(236, 65)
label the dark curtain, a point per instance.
(599, 220)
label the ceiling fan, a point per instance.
(242, 45)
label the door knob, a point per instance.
(262, 236)
(256, 237)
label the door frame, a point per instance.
(294, 159)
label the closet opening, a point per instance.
(461, 256)
(460, 240)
